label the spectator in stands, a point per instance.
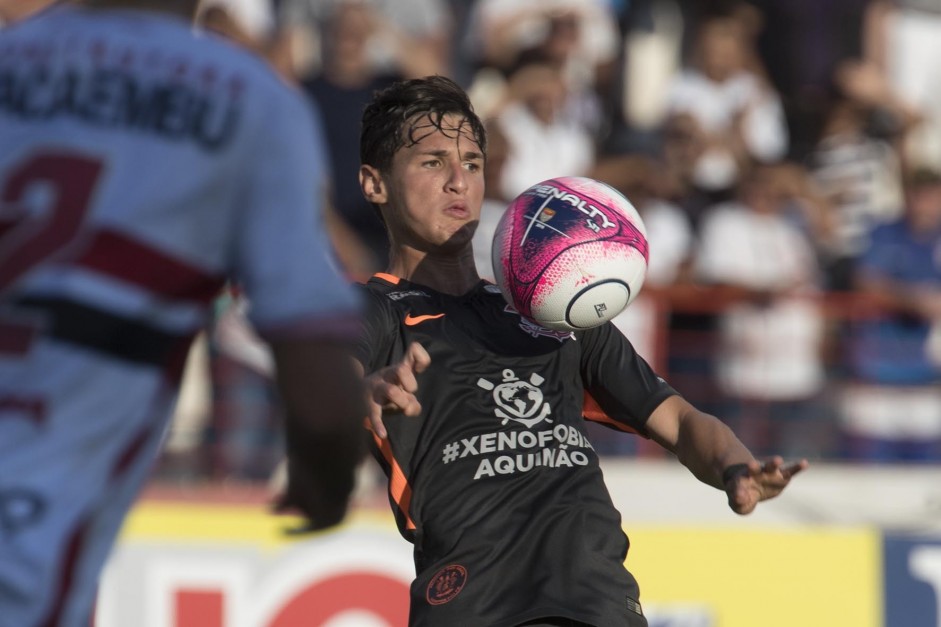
(801, 45)
(410, 37)
(857, 165)
(892, 408)
(250, 23)
(344, 84)
(579, 38)
(541, 141)
(903, 39)
(653, 33)
(722, 112)
(770, 362)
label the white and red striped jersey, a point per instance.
(142, 165)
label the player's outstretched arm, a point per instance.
(324, 404)
(716, 456)
(392, 389)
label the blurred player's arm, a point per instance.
(324, 404)
(300, 304)
(712, 452)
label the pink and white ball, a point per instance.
(570, 253)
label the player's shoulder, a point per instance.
(391, 290)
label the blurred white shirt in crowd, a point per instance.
(770, 352)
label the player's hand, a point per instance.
(757, 481)
(305, 497)
(320, 473)
(392, 389)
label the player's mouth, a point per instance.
(458, 210)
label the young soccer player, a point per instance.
(478, 414)
(143, 165)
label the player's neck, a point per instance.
(449, 274)
(185, 9)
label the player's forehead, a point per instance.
(450, 132)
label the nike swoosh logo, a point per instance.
(411, 320)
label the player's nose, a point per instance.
(457, 179)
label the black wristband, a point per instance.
(733, 471)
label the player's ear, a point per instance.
(374, 188)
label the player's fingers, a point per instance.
(390, 396)
(393, 398)
(375, 420)
(777, 473)
(743, 497)
(773, 465)
(413, 408)
(792, 469)
(773, 483)
(417, 357)
(755, 468)
(404, 375)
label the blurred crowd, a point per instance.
(785, 156)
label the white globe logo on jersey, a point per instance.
(517, 400)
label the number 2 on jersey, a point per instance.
(30, 235)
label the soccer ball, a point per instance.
(570, 253)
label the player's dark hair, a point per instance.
(388, 122)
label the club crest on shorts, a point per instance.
(446, 584)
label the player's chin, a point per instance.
(456, 238)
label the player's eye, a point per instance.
(473, 166)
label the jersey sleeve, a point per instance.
(619, 381)
(283, 257)
(376, 346)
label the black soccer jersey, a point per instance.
(495, 482)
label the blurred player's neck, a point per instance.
(185, 9)
(447, 273)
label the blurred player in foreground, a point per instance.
(478, 413)
(142, 166)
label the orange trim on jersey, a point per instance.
(592, 411)
(391, 278)
(399, 488)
